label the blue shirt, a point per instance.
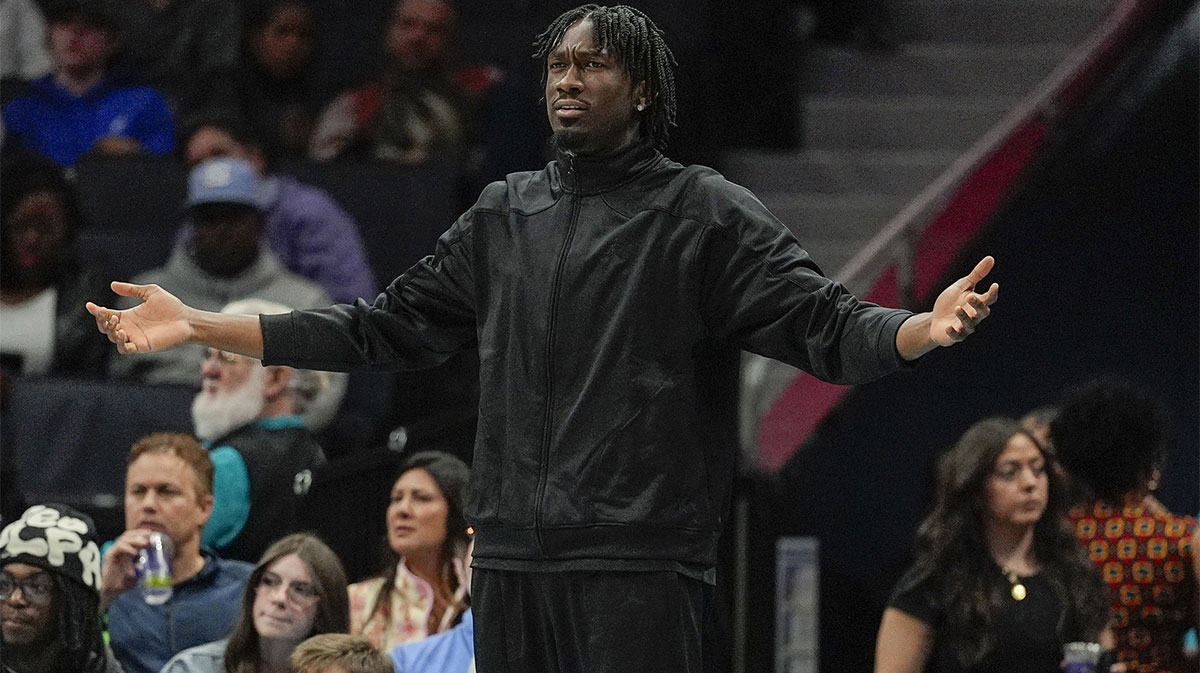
(55, 122)
(202, 609)
(449, 652)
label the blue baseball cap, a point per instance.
(225, 180)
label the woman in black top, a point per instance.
(999, 583)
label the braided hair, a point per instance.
(79, 627)
(639, 45)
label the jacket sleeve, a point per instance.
(762, 291)
(421, 319)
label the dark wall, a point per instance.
(1097, 257)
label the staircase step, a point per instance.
(835, 217)
(997, 21)
(901, 173)
(910, 122)
(930, 69)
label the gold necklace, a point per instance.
(1018, 589)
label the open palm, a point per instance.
(158, 323)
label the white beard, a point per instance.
(215, 414)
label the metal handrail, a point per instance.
(896, 242)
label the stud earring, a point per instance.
(641, 107)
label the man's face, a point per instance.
(226, 237)
(28, 620)
(161, 494)
(589, 96)
(418, 35)
(232, 394)
(78, 43)
(284, 44)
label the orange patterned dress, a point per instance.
(1146, 561)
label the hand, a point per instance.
(116, 146)
(118, 573)
(160, 322)
(959, 309)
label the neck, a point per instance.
(78, 81)
(35, 658)
(274, 656)
(188, 560)
(21, 293)
(427, 566)
(1012, 548)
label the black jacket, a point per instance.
(608, 300)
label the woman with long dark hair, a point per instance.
(297, 590)
(419, 591)
(998, 583)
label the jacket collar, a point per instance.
(595, 175)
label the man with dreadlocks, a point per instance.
(608, 296)
(50, 594)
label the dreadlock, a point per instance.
(639, 45)
(79, 629)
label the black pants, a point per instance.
(587, 621)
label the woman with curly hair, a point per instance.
(1111, 441)
(999, 583)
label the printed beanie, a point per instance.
(55, 538)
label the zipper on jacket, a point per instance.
(556, 287)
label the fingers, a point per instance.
(130, 290)
(981, 270)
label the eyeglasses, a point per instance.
(301, 593)
(224, 357)
(35, 589)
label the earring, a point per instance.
(641, 107)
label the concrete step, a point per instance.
(930, 69)
(997, 21)
(900, 173)
(895, 123)
(849, 218)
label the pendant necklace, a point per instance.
(1018, 589)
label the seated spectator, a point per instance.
(419, 593)
(263, 455)
(81, 106)
(23, 53)
(421, 105)
(187, 49)
(449, 652)
(1110, 439)
(50, 594)
(297, 590)
(311, 234)
(999, 583)
(276, 88)
(338, 653)
(42, 282)
(225, 259)
(168, 488)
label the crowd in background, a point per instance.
(1037, 536)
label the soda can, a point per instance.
(1081, 657)
(154, 569)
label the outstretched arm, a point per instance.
(162, 322)
(956, 313)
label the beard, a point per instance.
(215, 414)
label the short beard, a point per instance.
(215, 416)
